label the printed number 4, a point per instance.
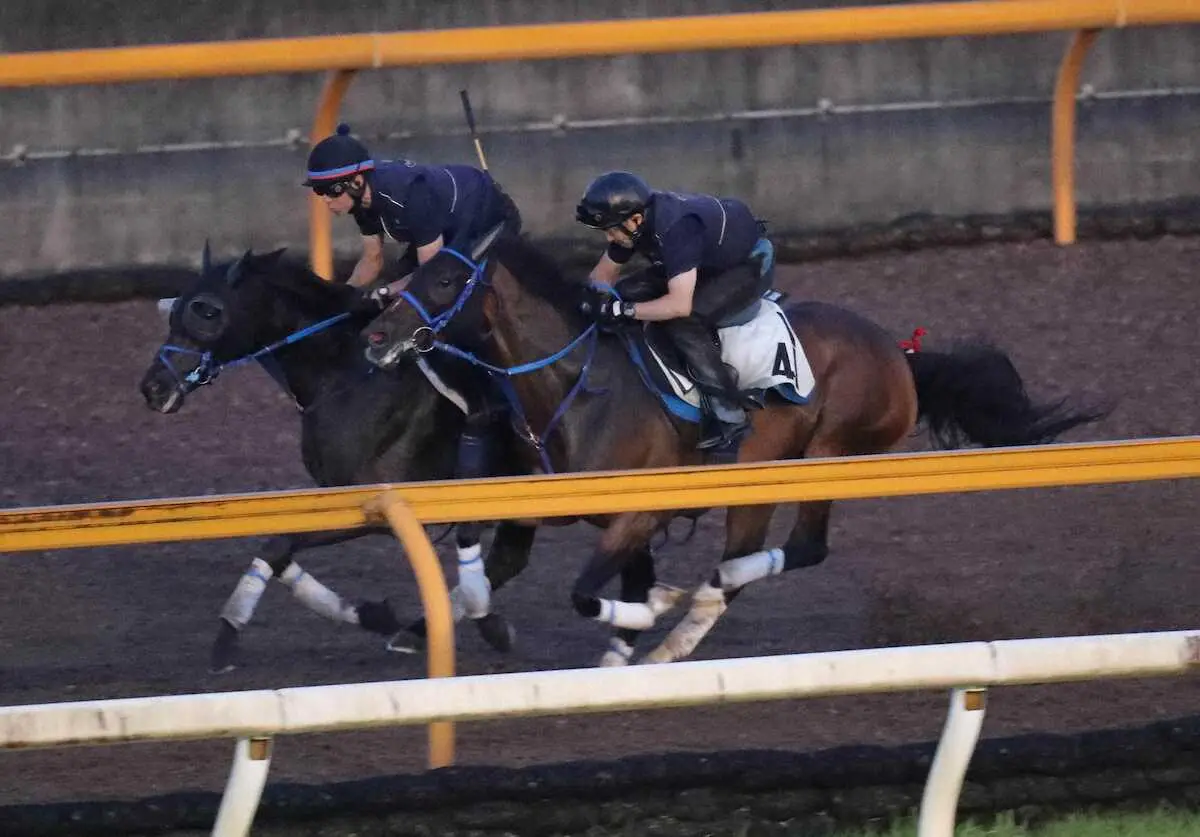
(783, 363)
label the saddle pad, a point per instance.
(764, 352)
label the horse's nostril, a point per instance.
(377, 338)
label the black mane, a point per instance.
(295, 276)
(541, 275)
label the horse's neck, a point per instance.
(529, 330)
(387, 427)
(314, 365)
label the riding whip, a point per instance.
(466, 103)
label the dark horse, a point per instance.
(359, 425)
(869, 395)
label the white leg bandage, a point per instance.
(240, 607)
(317, 597)
(473, 582)
(458, 610)
(741, 571)
(618, 654)
(636, 615)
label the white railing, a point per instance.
(254, 717)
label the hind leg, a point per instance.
(275, 561)
(624, 543)
(806, 546)
(638, 584)
(746, 532)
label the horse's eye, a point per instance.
(205, 310)
(445, 282)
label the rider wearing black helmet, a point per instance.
(426, 207)
(702, 272)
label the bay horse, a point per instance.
(585, 407)
(358, 425)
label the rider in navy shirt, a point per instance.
(422, 206)
(426, 208)
(702, 271)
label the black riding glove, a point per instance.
(605, 309)
(613, 312)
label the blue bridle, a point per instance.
(207, 369)
(425, 339)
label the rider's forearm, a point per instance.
(675, 303)
(367, 270)
(664, 308)
(606, 271)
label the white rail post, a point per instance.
(251, 760)
(939, 804)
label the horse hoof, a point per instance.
(619, 653)
(613, 659)
(418, 628)
(403, 643)
(224, 649)
(378, 618)
(496, 632)
(658, 656)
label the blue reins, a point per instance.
(206, 371)
(425, 339)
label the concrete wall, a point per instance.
(970, 133)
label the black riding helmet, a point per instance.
(336, 158)
(612, 199)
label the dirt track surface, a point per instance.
(1115, 319)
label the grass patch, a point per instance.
(1161, 823)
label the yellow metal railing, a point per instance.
(407, 506)
(345, 54)
(885, 475)
(435, 600)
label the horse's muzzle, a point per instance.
(162, 396)
(385, 351)
(382, 353)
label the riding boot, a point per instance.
(723, 420)
(473, 454)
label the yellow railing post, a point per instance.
(435, 599)
(320, 237)
(1062, 152)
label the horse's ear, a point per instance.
(267, 261)
(480, 248)
(206, 259)
(237, 270)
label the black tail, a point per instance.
(974, 395)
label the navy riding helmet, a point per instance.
(337, 157)
(611, 199)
